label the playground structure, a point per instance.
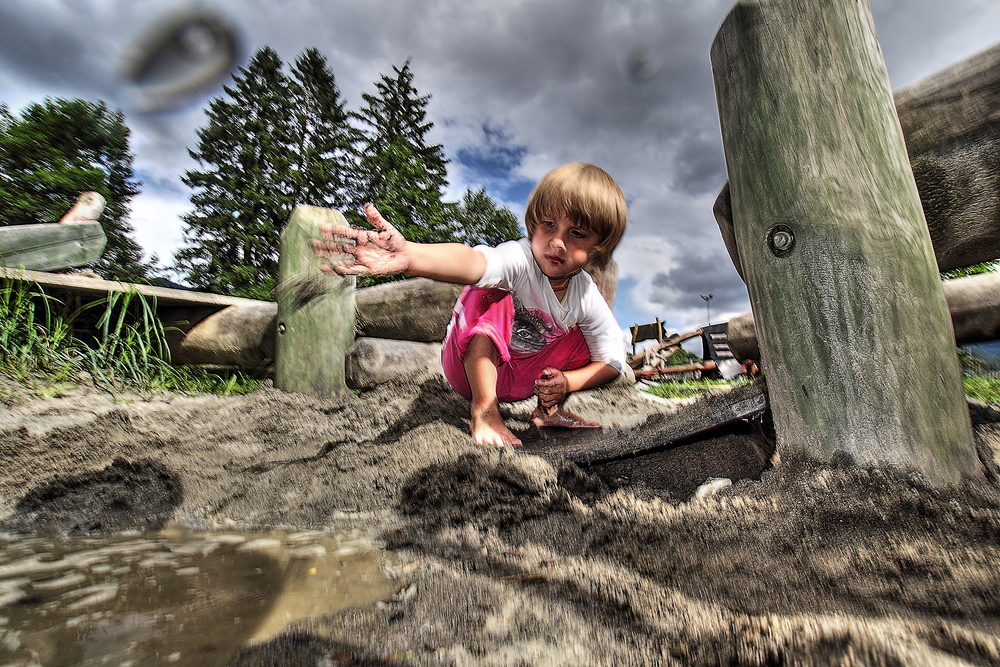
(653, 361)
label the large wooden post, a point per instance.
(854, 331)
(315, 310)
(952, 136)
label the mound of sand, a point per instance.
(505, 557)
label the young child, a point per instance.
(531, 321)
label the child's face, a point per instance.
(560, 247)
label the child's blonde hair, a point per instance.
(588, 196)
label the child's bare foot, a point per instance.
(560, 418)
(488, 429)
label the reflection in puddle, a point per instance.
(172, 598)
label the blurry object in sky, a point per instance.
(641, 65)
(181, 57)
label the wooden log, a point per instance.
(851, 318)
(741, 336)
(77, 239)
(606, 279)
(374, 361)
(951, 124)
(315, 310)
(417, 309)
(51, 247)
(973, 304)
(951, 121)
(87, 286)
(241, 336)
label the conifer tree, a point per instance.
(243, 196)
(58, 149)
(478, 220)
(404, 175)
(325, 167)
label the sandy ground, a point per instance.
(522, 557)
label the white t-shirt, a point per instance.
(539, 316)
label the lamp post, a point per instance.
(708, 307)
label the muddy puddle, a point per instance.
(173, 597)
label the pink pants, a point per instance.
(490, 312)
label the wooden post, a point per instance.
(315, 310)
(952, 136)
(851, 318)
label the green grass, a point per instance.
(124, 347)
(689, 388)
(982, 388)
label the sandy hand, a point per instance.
(551, 388)
(358, 252)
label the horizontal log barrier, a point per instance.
(211, 329)
(951, 127)
(76, 240)
(217, 330)
(973, 302)
(52, 246)
(243, 335)
(417, 309)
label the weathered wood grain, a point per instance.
(853, 327)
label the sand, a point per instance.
(502, 557)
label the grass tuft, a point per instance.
(985, 388)
(690, 388)
(982, 388)
(126, 346)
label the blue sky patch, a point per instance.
(494, 163)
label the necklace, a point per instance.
(564, 284)
(561, 287)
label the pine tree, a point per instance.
(58, 149)
(244, 195)
(325, 167)
(478, 220)
(404, 175)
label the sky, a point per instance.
(517, 88)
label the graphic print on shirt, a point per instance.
(532, 329)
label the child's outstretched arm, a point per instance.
(384, 250)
